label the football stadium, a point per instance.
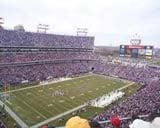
(52, 80)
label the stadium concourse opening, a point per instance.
(48, 78)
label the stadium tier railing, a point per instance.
(122, 119)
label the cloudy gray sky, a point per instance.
(112, 22)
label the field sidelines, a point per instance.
(58, 116)
(39, 85)
(34, 110)
(24, 125)
(14, 116)
(72, 110)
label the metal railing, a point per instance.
(122, 119)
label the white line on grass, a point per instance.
(72, 97)
(61, 101)
(14, 116)
(8, 102)
(44, 97)
(40, 90)
(126, 86)
(35, 86)
(28, 93)
(50, 119)
(58, 116)
(50, 105)
(72, 110)
(34, 110)
(38, 117)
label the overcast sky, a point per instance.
(112, 22)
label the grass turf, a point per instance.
(93, 111)
(38, 104)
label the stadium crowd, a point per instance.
(15, 38)
(31, 65)
(146, 101)
(41, 72)
(47, 56)
(137, 73)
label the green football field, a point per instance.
(37, 104)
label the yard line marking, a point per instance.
(45, 95)
(40, 85)
(61, 101)
(72, 97)
(28, 93)
(50, 105)
(58, 116)
(131, 83)
(38, 117)
(14, 116)
(34, 110)
(8, 102)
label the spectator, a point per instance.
(77, 122)
(94, 124)
(115, 121)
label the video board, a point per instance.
(136, 51)
(122, 50)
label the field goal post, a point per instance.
(7, 91)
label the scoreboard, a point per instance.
(136, 51)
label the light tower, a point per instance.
(82, 31)
(42, 28)
(1, 22)
(135, 40)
